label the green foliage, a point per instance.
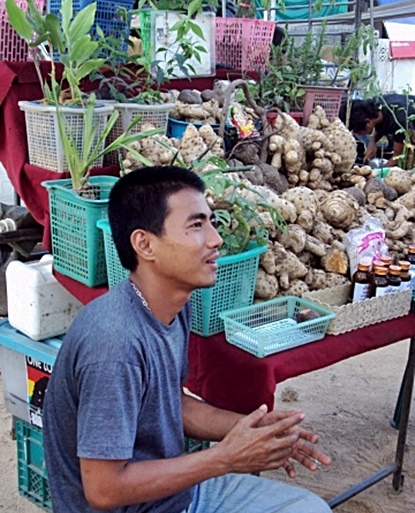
(68, 37)
(237, 215)
(407, 159)
(291, 66)
(80, 162)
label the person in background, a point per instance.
(115, 413)
(386, 116)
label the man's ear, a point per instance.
(142, 244)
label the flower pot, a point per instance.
(43, 137)
(77, 243)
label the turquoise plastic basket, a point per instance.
(269, 327)
(115, 271)
(234, 288)
(77, 244)
(31, 470)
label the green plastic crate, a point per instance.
(271, 326)
(77, 244)
(115, 271)
(31, 470)
(234, 288)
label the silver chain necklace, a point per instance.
(140, 295)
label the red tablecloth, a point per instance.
(228, 377)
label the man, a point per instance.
(115, 414)
(388, 116)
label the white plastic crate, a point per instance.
(156, 114)
(43, 137)
(38, 305)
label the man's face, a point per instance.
(370, 125)
(187, 251)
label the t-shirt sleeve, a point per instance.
(105, 432)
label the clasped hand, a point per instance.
(270, 440)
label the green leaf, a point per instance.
(82, 23)
(66, 11)
(18, 21)
(197, 30)
(55, 34)
(83, 49)
(87, 67)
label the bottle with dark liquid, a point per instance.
(405, 275)
(379, 285)
(361, 283)
(394, 278)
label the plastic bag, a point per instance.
(365, 243)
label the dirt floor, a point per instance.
(349, 404)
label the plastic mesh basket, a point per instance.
(77, 244)
(157, 115)
(112, 23)
(243, 44)
(12, 46)
(115, 271)
(269, 327)
(234, 288)
(327, 97)
(31, 470)
(43, 137)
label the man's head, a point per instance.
(363, 116)
(140, 200)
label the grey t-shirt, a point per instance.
(115, 394)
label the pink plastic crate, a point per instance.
(12, 46)
(327, 97)
(243, 44)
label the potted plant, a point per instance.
(75, 203)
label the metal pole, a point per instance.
(408, 385)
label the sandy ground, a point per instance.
(349, 404)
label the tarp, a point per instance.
(300, 9)
(406, 19)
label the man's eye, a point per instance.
(197, 224)
(214, 221)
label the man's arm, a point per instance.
(205, 422)
(247, 447)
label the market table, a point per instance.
(228, 377)
(216, 367)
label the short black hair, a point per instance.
(361, 111)
(139, 200)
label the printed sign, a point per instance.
(38, 374)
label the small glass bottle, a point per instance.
(405, 274)
(361, 283)
(394, 278)
(411, 259)
(379, 285)
(386, 259)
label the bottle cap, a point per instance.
(386, 259)
(404, 265)
(395, 270)
(381, 271)
(378, 263)
(411, 248)
(361, 266)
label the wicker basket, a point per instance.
(352, 316)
